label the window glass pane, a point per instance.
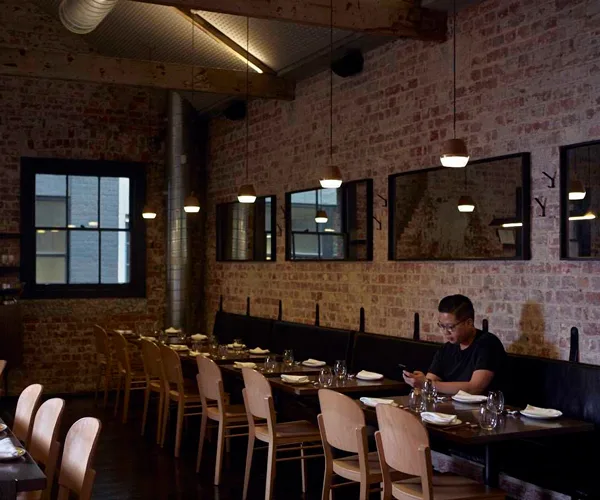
(114, 257)
(305, 246)
(50, 185)
(114, 202)
(83, 257)
(50, 270)
(330, 200)
(332, 246)
(83, 201)
(50, 196)
(50, 242)
(303, 211)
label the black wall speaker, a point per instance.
(350, 64)
(235, 111)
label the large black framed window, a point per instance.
(82, 230)
(347, 232)
(246, 231)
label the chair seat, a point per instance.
(298, 431)
(446, 487)
(235, 413)
(349, 468)
(190, 390)
(155, 385)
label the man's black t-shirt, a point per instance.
(486, 352)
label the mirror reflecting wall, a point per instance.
(331, 224)
(477, 212)
(246, 231)
(580, 201)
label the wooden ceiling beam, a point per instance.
(399, 18)
(100, 69)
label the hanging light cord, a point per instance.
(331, 83)
(247, 91)
(454, 62)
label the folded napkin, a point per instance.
(438, 418)
(313, 362)
(244, 364)
(122, 332)
(151, 339)
(295, 379)
(231, 346)
(198, 336)
(258, 350)
(465, 396)
(365, 375)
(179, 347)
(375, 401)
(7, 449)
(198, 353)
(173, 330)
(541, 412)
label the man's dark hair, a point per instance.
(459, 305)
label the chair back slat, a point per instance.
(102, 341)
(258, 393)
(28, 403)
(76, 474)
(171, 365)
(402, 436)
(209, 376)
(151, 358)
(122, 352)
(44, 447)
(342, 416)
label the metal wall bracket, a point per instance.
(552, 179)
(542, 203)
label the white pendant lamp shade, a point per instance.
(332, 178)
(148, 212)
(191, 205)
(247, 194)
(454, 154)
(466, 204)
(576, 191)
(321, 217)
(587, 216)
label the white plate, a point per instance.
(470, 401)
(3, 427)
(314, 365)
(20, 453)
(253, 351)
(178, 347)
(456, 422)
(539, 417)
(369, 379)
(292, 382)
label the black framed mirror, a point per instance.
(580, 201)
(481, 212)
(246, 231)
(331, 224)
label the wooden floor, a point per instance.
(133, 467)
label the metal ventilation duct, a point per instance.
(83, 16)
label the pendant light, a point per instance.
(191, 204)
(454, 151)
(332, 176)
(321, 217)
(465, 202)
(247, 193)
(148, 212)
(576, 187)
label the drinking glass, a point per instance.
(288, 357)
(495, 401)
(325, 377)
(429, 390)
(416, 401)
(223, 351)
(181, 336)
(270, 364)
(340, 369)
(488, 418)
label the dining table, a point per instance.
(510, 427)
(345, 386)
(20, 474)
(279, 369)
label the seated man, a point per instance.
(471, 360)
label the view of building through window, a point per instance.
(82, 229)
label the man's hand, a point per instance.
(414, 379)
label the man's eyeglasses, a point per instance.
(450, 328)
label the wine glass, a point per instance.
(270, 364)
(340, 369)
(429, 390)
(325, 377)
(416, 401)
(223, 351)
(488, 418)
(495, 401)
(288, 357)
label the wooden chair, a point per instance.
(76, 475)
(283, 437)
(403, 445)
(2, 374)
(154, 382)
(342, 425)
(134, 380)
(211, 388)
(103, 361)
(44, 447)
(183, 392)
(27, 405)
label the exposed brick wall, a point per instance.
(58, 119)
(528, 80)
